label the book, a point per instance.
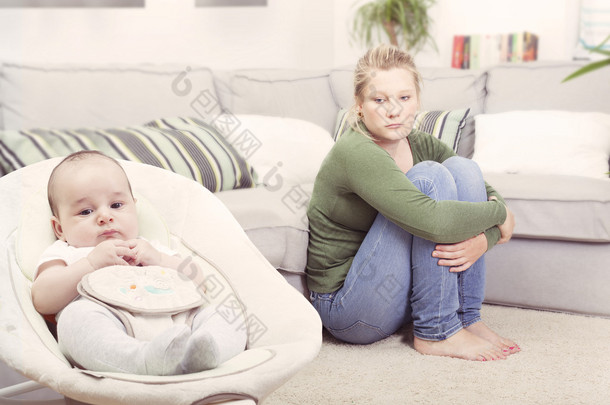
(475, 42)
(466, 61)
(489, 50)
(517, 55)
(458, 52)
(530, 47)
(478, 51)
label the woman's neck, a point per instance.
(400, 151)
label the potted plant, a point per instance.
(405, 22)
(593, 65)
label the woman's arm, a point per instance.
(460, 256)
(373, 175)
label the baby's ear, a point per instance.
(56, 225)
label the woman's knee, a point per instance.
(433, 179)
(468, 178)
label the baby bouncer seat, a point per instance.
(284, 331)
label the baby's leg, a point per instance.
(213, 341)
(92, 337)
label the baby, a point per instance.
(96, 224)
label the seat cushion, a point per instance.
(276, 222)
(556, 207)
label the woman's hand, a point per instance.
(506, 229)
(460, 256)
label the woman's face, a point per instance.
(389, 104)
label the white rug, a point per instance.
(565, 359)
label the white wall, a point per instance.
(284, 34)
(555, 21)
(306, 34)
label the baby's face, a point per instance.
(94, 204)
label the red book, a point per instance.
(458, 52)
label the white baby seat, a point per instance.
(284, 331)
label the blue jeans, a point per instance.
(394, 279)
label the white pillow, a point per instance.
(281, 150)
(543, 142)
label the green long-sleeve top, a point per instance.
(359, 179)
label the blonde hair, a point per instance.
(76, 157)
(381, 57)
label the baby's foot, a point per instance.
(212, 342)
(163, 354)
(506, 345)
(463, 345)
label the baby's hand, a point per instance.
(142, 253)
(108, 253)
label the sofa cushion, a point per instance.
(280, 149)
(77, 95)
(443, 89)
(275, 221)
(555, 206)
(445, 125)
(544, 142)
(194, 151)
(538, 85)
(303, 94)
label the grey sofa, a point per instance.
(559, 257)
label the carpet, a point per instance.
(565, 359)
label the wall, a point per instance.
(286, 34)
(555, 21)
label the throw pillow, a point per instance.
(543, 142)
(444, 125)
(196, 152)
(281, 150)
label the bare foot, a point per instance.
(463, 345)
(506, 345)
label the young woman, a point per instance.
(399, 225)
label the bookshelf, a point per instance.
(483, 50)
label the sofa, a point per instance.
(543, 144)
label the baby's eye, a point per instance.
(379, 100)
(86, 212)
(405, 98)
(116, 205)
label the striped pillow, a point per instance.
(445, 125)
(195, 151)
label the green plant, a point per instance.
(405, 22)
(594, 65)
